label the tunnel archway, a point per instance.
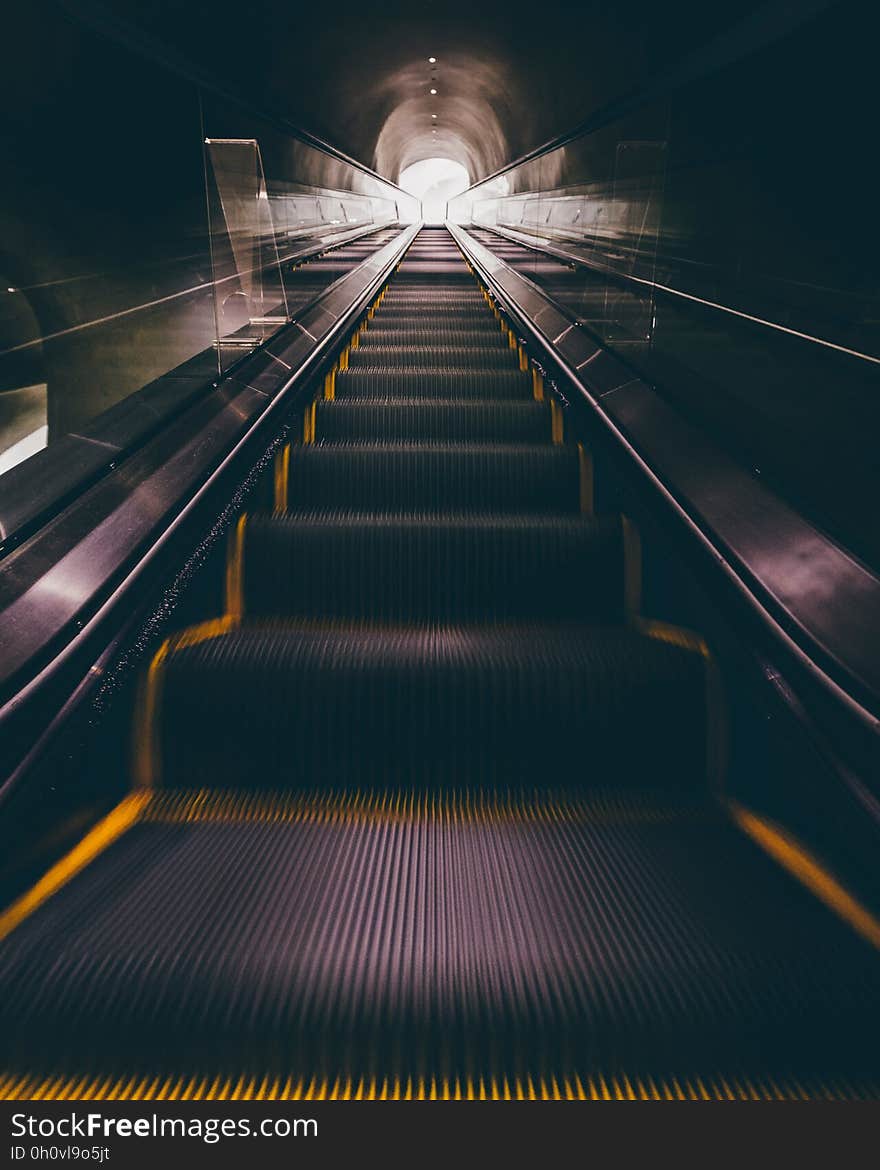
(434, 181)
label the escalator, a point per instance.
(430, 810)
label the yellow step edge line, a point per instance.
(282, 477)
(108, 830)
(676, 635)
(203, 632)
(147, 765)
(716, 706)
(234, 603)
(557, 423)
(309, 424)
(147, 757)
(207, 805)
(808, 870)
(345, 1088)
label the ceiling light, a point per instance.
(432, 60)
(433, 115)
(433, 91)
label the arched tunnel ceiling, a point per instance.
(508, 78)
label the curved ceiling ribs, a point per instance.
(472, 105)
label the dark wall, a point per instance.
(102, 211)
(772, 175)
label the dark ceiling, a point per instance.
(506, 79)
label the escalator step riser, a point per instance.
(458, 283)
(413, 420)
(392, 357)
(421, 337)
(434, 478)
(433, 298)
(433, 301)
(445, 345)
(473, 316)
(430, 272)
(476, 319)
(454, 707)
(434, 383)
(418, 569)
(459, 291)
(431, 312)
(426, 332)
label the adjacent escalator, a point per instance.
(430, 810)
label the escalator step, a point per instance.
(454, 707)
(391, 357)
(425, 336)
(435, 478)
(422, 420)
(475, 319)
(418, 568)
(427, 294)
(640, 945)
(434, 382)
(454, 312)
(434, 270)
(429, 306)
(474, 312)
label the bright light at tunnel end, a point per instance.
(434, 181)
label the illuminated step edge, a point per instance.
(483, 806)
(595, 1087)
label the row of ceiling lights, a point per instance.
(433, 90)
